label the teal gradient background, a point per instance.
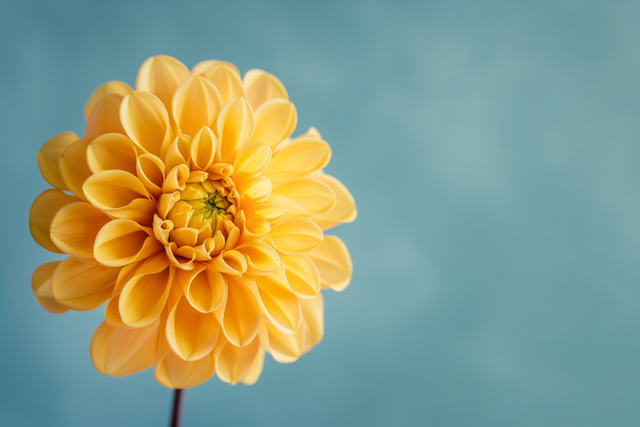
(493, 149)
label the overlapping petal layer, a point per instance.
(189, 209)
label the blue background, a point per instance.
(493, 151)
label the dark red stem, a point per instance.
(176, 414)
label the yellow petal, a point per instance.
(195, 104)
(105, 117)
(279, 303)
(296, 236)
(81, 286)
(150, 171)
(252, 158)
(121, 194)
(234, 127)
(256, 188)
(230, 262)
(123, 241)
(190, 333)
(49, 156)
(313, 319)
(179, 152)
(74, 228)
(262, 87)
(73, 166)
(119, 352)
(333, 262)
(226, 79)
(261, 258)
(43, 209)
(255, 228)
(297, 159)
(240, 315)
(344, 209)
(173, 372)
(204, 66)
(256, 369)
(272, 212)
(204, 288)
(161, 75)
(203, 149)
(144, 296)
(233, 363)
(304, 196)
(41, 285)
(302, 275)
(117, 87)
(112, 151)
(275, 120)
(284, 347)
(146, 122)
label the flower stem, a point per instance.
(176, 414)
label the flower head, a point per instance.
(190, 211)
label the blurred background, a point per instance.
(493, 149)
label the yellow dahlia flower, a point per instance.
(190, 211)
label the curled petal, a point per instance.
(275, 120)
(296, 236)
(255, 188)
(204, 288)
(41, 285)
(112, 151)
(81, 286)
(105, 117)
(179, 152)
(302, 275)
(121, 194)
(230, 262)
(279, 303)
(261, 258)
(181, 257)
(161, 75)
(49, 156)
(252, 158)
(115, 86)
(166, 203)
(73, 166)
(343, 211)
(262, 87)
(333, 262)
(150, 171)
(74, 228)
(146, 122)
(226, 79)
(195, 104)
(233, 363)
(190, 333)
(203, 149)
(43, 209)
(123, 241)
(304, 196)
(234, 127)
(239, 316)
(119, 352)
(255, 228)
(176, 179)
(174, 372)
(144, 296)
